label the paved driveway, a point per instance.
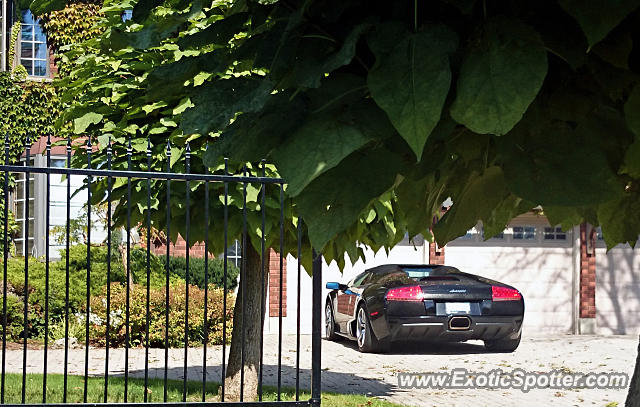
(377, 374)
(345, 370)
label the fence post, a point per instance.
(316, 330)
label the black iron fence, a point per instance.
(55, 304)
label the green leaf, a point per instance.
(412, 82)
(553, 164)
(632, 111)
(82, 123)
(166, 81)
(631, 164)
(252, 136)
(218, 33)
(477, 201)
(326, 139)
(565, 216)
(620, 220)
(318, 57)
(216, 103)
(153, 33)
(501, 215)
(598, 17)
(500, 77)
(41, 7)
(328, 211)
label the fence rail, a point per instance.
(214, 190)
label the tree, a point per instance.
(375, 112)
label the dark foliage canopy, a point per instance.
(375, 112)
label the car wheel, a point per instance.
(503, 345)
(367, 341)
(330, 324)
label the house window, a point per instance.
(24, 243)
(524, 232)
(33, 46)
(234, 253)
(554, 234)
(3, 36)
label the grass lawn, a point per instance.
(75, 389)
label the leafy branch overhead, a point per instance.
(375, 115)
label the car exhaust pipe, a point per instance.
(459, 323)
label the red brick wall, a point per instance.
(436, 254)
(179, 249)
(274, 284)
(53, 68)
(587, 273)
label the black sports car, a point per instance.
(423, 302)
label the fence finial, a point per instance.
(148, 146)
(89, 150)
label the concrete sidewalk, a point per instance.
(345, 370)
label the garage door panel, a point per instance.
(543, 275)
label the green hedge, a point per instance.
(78, 284)
(178, 267)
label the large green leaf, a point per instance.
(167, 81)
(501, 215)
(326, 139)
(153, 33)
(477, 201)
(631, 164)
(620, 219)
(217, 102)
(317, 56)
(565, 216)
(252, 136)
(500, 76)
(41, 7)
(632, 111)
(82, 123)
(598, 17)
(553, 164)
(219, 33)
(411, 83)
(334, 200)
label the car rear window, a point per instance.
(441, 273)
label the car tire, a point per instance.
(502, 345)
(330, 323)
(365, 338)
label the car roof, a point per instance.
(389, 268)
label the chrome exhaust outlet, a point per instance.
(459, 323)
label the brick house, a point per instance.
(571, 284)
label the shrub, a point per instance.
(178, 266)
(78, 294)
(157, 302)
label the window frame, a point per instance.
(3, 35)
(30, 222)
(18, 59)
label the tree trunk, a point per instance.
(633, 397)
(253, 328)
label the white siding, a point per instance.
(618, 290)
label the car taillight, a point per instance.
(504, 294)
(412, 293)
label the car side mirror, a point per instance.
(333, 286)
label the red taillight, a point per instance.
(504, 294)
(413, 293)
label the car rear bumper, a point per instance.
(437, 328)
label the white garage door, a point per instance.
(618, 290)
(531, 256)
